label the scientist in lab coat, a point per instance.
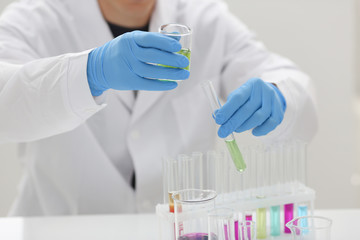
(92, 120)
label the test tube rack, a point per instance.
(270, 192)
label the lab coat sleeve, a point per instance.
(44, 97)
(43, 89)
(245, 58)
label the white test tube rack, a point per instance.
(282, 183)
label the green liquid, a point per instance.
(184, 52)
(236, 155)
(275, 221)
(261, 223)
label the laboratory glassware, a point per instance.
(229, 140)
(183, 34)
(191, 213)
(316, 228)
(247, 230)
(275, 181)
(261, 223)
(275, 224)
(288, 216)
(221, 224)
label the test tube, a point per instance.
(275, 221)
(172, 176)
(289, 181)
(275, 226)
(182, 33)
(261, 182)
(302, 212)
(197, 158)
(229, 140)
(302, 164)
(261, 223)
(237, 219)
(247, 230)
(288, 215)
(221, 224)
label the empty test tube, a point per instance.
(275, 226)
(229, 140)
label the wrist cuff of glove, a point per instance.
(273, 85)
(95, 73)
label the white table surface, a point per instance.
(346, 226)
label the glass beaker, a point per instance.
(221, 224)
(191, 213)
(310, 228)
(182, 33)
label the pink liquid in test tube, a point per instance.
(288, 215)
(236, 230)
(226, 232)
(247, 218)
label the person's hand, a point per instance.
(256, 105)
(129, 62)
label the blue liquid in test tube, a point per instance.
(275, 226)
(303, 211)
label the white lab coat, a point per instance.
(79, 152)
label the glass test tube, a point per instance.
(247, 230)
(261, 223)
(237, 219)
(288, 177)
(191, 209)
(302, 212)
(229, 140)
(182, 33)
(288, 215)
(261, 182)
(301, 149)
(172, 180)
(221, 224)
(275, 226)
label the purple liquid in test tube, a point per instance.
(226, 232)
(236, 230)
(288, 215)
(194, 236)
(247, 218)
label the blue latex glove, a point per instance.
(256, 105)
(123, 63)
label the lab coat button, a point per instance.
(135, 134)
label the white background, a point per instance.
(321, 36)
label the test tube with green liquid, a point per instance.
(229, 140)
(275, 225)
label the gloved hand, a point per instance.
(123, 63)
(256, 105)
